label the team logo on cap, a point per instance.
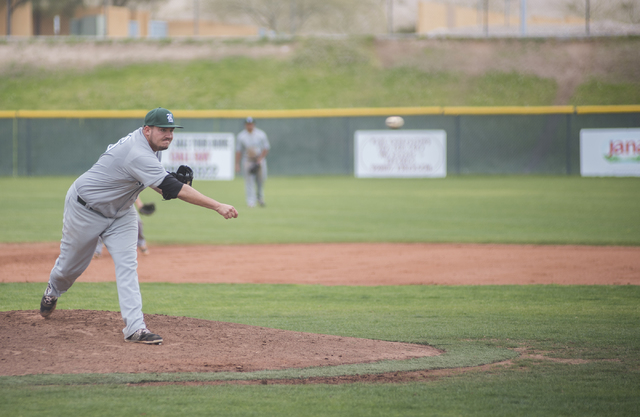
(170, 117)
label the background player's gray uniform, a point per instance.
(100, 204)
(251, 145)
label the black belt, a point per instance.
(84, 203)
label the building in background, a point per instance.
(21, 20)
(524, 17)
(197, 18)
(439, 16)
(113, 22)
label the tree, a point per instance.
(53, 7)
(125, 3)
(11, 6)
(290, 16)
(627, 11)
(266, 13)
(595, 8)
(619, 10)
(66, 7)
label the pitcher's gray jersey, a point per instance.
(127, 167)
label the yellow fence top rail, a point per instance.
(467, 110)
(301, 113)
(266, 114)
(607, 109)
(81, 114)
(224, 114)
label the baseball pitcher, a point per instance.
(100, 204)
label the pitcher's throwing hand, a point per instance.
(227, 211)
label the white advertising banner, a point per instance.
(400, 153)
(610, 152)
(210, 155)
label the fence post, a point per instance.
(15, 145)
(457, 143)
(523, 17)
(28, 151)
(349, 145)
(568, 147)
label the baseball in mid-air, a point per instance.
(394, 122)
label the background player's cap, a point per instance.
(161, 118)
(249, 120)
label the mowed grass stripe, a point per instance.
(467, 209)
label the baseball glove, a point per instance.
(254, 168)
(148, 209)
(184, 174)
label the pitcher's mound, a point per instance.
(85, 341)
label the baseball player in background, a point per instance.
(252, 146)
(100, 204)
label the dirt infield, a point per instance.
(349, 264)
(65, 343)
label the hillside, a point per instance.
(568, 69)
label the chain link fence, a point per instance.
(528, 18)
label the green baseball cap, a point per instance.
(161, 118)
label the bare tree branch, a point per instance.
(290, 16)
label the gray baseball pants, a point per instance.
(254, 184)
(81, 228)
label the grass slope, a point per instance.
(329, 74)
(274, 84)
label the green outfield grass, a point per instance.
(493, 209)
(590, 332)
(592, 326)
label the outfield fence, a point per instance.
(480, 140)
